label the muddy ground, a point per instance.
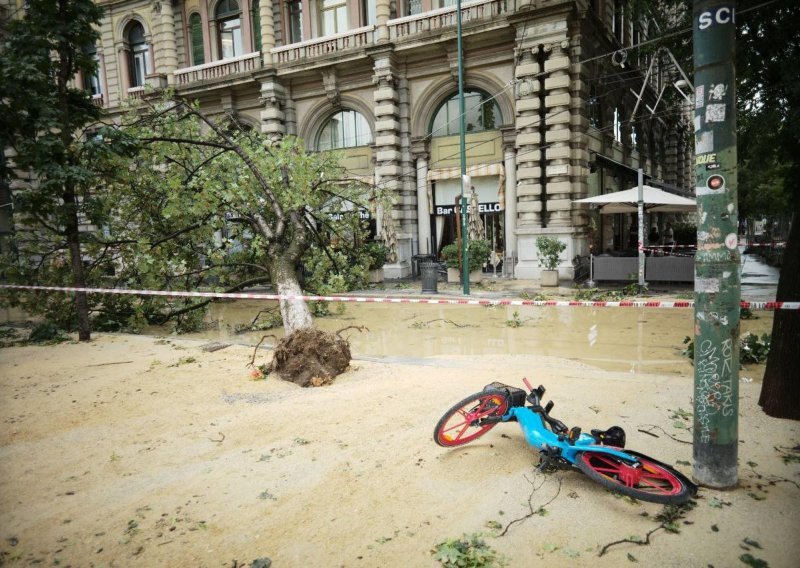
(138, 451)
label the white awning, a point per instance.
(475, 170)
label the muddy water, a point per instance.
(615, 339)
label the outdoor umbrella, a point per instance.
(638, 200)
(654, 199)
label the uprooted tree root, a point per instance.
(312, 357)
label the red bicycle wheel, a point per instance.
(644, 480)
(464, 422)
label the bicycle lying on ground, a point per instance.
(599, 455)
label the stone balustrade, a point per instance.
(320, 47)
(218, 69)
(445, 18)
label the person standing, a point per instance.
(669, 236)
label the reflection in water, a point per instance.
(615, 339)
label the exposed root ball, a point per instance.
(311, 357)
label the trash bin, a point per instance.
(430, 276)
(416, 260)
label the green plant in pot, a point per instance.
(479, 250)
(550, 250)
(377, 253)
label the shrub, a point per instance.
(549, 249)
(377, 253)
(479, 250)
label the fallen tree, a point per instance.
(209, 203)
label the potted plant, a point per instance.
(549, 248)
(377, 253)
(479, 250)
(449, 255)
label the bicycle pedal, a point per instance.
(574, 434)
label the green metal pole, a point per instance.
(462, 129)
(717, 280)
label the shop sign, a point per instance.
(482, 208)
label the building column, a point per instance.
(423, 209)
(382, 12)
(510, 163)
(273, 97)
(166, 51)
(557, 138)
(388, 167)
(544, 136)
(267, 32)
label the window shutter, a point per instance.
(196, 28)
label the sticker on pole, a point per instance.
(732, 241)
(715, 182)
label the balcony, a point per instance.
(218, 69)
(435, 20)
(328, 45)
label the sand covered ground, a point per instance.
(138, 451)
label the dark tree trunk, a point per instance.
(780, 392)
(72, 232)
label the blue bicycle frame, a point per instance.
(539, 436)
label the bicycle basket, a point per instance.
(516, 397)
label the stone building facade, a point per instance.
(551, 86)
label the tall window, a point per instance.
(446, 3)
(413, 7)
(196, 35)
(229, 24)
(345, 129)
(91, 81)
(256, 19)
(333, 16)
(295, 8)
(480, 114)
(368, 14)
(137, 55)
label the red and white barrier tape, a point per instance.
(375, 300)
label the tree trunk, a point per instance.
(76, 262)
(295, 313)
(780, 392)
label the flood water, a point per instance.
(615, 339)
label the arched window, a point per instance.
(229, 24)
(480, 114)
(196, 36)
(138, 64)
(345, 129)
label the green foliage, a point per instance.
(450, 254)
(550, 249)
(479, 250)
(688, 351)
(515, 320)
(43, 120)
(470, 551)
(208, 204)
(47, 332)
(754, 349)
(377, 253)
